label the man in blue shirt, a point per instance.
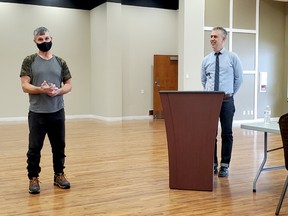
(229, 81)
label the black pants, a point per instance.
(226, 121)
(40, 124)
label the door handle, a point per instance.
(157, 83)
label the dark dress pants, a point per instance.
(226, 121)
(40, 124)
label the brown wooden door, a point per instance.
(165, 78)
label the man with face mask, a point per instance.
(46, 78)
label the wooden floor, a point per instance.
(121, 168)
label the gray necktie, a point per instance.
(216, 80)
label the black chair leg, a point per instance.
(282, 197)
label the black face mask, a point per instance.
(45, 46)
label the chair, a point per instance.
(283, 125)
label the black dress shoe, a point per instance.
(223, 172)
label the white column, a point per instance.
(106, 61)
(191, 44)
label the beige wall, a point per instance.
(271, 55)
(286, 57)
(71, 41)
(145, 32)
(106, 59)
(110, 53)
(123, 42)
(272, 40)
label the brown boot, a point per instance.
(61, 181)
(34, 187)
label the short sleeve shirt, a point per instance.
(54, 70)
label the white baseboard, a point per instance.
(72, 117)
(239, 122)
(123, 118)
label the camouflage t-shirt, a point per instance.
(54, 70)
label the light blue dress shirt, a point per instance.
(230, 73)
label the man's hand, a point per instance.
(50, 89)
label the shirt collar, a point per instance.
(221, 51)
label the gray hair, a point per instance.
(224, 32)
(40, 31)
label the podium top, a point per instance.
(194, 92)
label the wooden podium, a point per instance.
(191, 120)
